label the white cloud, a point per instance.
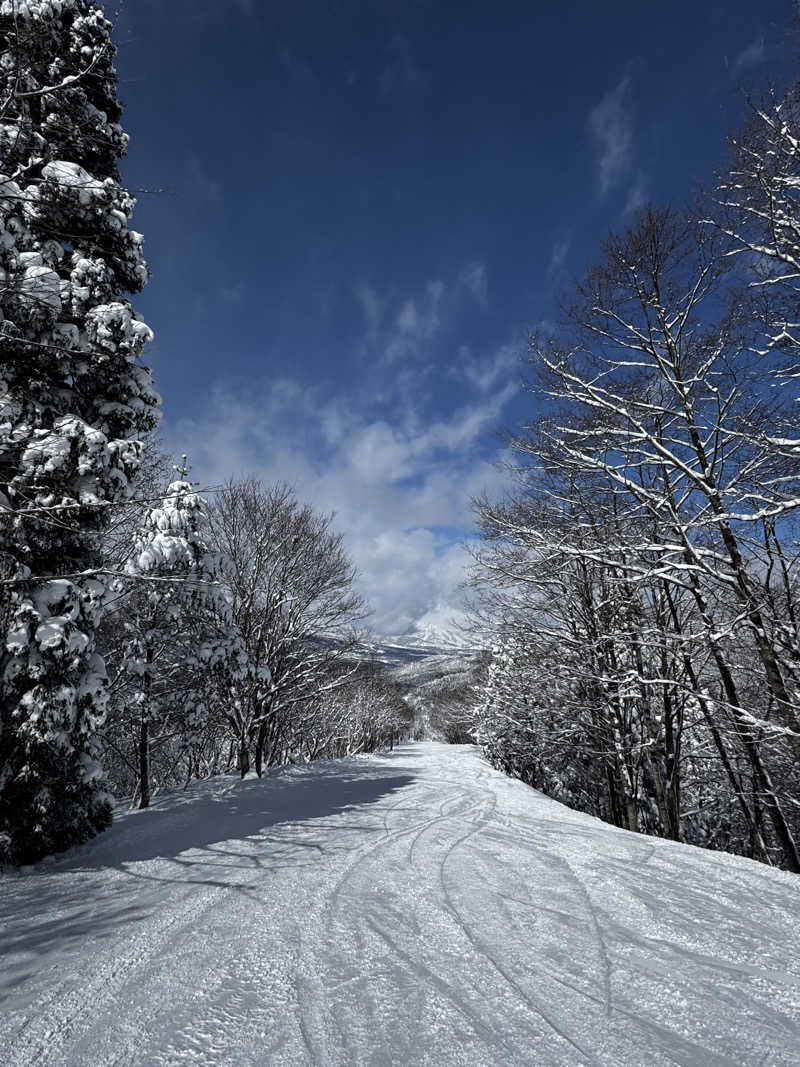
(399, 475)
(751, 56)
(371, 305)
(474, 279)
(401, 492)
(410, 321)
(611, 130)
(404, 327)
(415, 325)
(559, 254)
(484, 373)
(446, 574)
(637, 197)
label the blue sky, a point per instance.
(365, 207)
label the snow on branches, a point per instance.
(74, 398)
(179, 635)
(648, 565)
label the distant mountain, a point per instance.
(430, 639)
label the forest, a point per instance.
(642, 577)
(635, 595)
(153, 633)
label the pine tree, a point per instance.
(73, 398)
(180, 639)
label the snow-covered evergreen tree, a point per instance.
(73, 397)
(180, 637)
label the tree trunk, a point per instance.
(260, 739)
(733, 778)
(753, 749)
(144, 762)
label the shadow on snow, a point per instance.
(212, 835)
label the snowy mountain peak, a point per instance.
(432, 636)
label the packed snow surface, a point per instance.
(410, 908)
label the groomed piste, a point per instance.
(408, 908)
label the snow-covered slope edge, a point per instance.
(415, 908)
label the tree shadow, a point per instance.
(29, 938)
(216, 834)
(237, 810)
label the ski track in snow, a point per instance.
(407, 908)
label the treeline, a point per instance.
(147, 633)
(642, 579)
(444, 705)
(231, 640)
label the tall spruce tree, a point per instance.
(73, 398)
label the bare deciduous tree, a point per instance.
(295, 607)
(650, 541)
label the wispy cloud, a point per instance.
(558, 255)
(637, 197)
(474, 279)
(400, 489)
(610, 126)
(371, 305)
(416, 324)
(379, 449)
(484, 373)
(751, 56)
(404, 327)
(400, 328)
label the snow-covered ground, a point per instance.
(412, 908)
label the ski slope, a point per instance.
(409, 908)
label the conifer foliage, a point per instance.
(73, 398)
(179, 632)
